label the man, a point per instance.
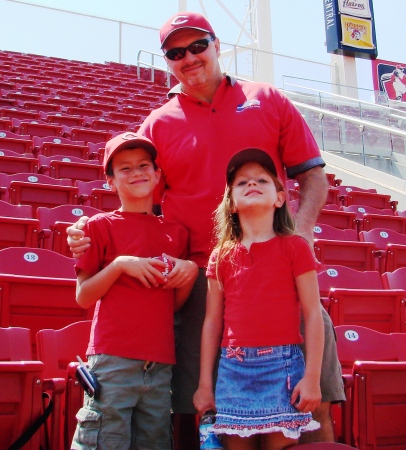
(209, 118)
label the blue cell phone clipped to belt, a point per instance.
(87, 380)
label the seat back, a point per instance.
(378, 201)
(324, 231)
(338, 219)
(382, 310)
(355, 343)
(15, 344)
(53, 223)
(37, 290)
(357, 255)
(394, 223)
(395, 280)
(379, 405)
(97, 194)
(20, 401)
(381, 237)
(57, 349)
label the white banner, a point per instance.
(357, 8)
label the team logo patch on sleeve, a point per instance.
(249, 104)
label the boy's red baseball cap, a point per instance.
(183, 20)
(249, 155)
(124, 141)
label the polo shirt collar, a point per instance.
(176, 90)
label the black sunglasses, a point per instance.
(196, 47)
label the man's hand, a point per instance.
(77, 241)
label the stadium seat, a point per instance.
(357, 255)
(338, 219)
(63, 119)
(359, 343)
(101, 124)
(38, 289)
(37, 190)
(50, 146)
(57, 349)
(5, 124)
(12, 162)
(98, 195)
(400, 213)
(379, 201)
(36, 128)
(20, 401)
(86, 134)
(383, 239)
(361, 210)
(344, 190)
(395, 279)
(17, 227)
(15, 344)
(324, 231)
(70, 167)
(395, 223)
(15, 142)
(53, 223)
(345, 277)
(382, 310)
(379, 405)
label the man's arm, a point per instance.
(313, 194)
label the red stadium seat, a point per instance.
(63, 119)
(98, 195)
(86, 134)
(337, 219)
(382, 310)
(12, 162)
(50, 146)
(395, 279)
(57, 349)
(395, 223)
(20, 401)
(53, 223)
(17, 227)
(343, 191)
(384, 239)
(361, 210)
(379, 201)
(38, 289)
(35, 128)
(15, 142)
(400, 213)
(345, 277)
(357, 255)
(379, 405)
(37, 190)
(70, 167)
(356, 343)
(15, 344)
(323, 231)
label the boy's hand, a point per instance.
(183, 273)
(77, 240)
(203, 401)
(147, 270)
(310, 395)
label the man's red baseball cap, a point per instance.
(183, 20)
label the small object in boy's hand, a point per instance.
(168, 264)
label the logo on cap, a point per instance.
(128, 136)
(179, 20)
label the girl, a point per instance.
(260, 276)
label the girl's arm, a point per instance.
(309, 386)
(89, 289)
(211, 337)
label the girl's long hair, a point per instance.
(228, 231)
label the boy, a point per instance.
(131, 348)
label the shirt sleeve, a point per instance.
(303, 259)
(211, 271)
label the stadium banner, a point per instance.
(358, 8)
(350, 28)
(356, 32)
(389, 77)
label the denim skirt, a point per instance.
(253, 392)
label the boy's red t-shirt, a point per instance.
(132, 321)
